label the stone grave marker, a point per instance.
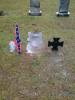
(35, 42)
(35, 8)
(63, 8)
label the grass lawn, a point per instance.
(49, 76)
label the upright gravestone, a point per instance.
(35, 8)
(35, 42)
(64, 7)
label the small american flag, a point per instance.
(17, 40)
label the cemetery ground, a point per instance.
(48, 76)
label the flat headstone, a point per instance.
(35, 42)
(35, 8)
(63, 8)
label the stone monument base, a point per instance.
(35, 12)
(62, 13)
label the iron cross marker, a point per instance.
(55, 43)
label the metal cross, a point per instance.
(55, 43)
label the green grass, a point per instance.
(37, 78)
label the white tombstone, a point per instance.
(35, 42)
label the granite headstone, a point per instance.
(64, 8)
(35, 8)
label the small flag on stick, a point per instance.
(17, 40)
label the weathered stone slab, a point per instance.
(35, 42)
